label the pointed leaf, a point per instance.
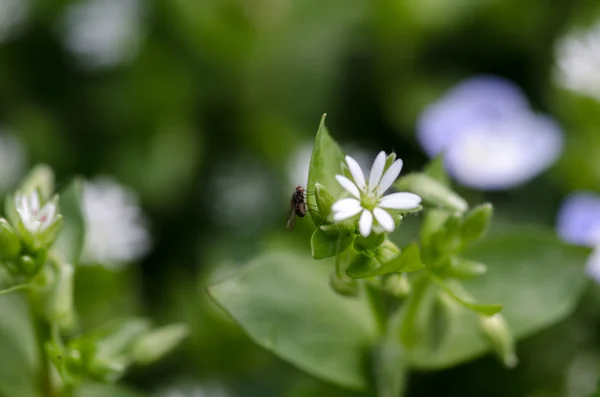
(69, 243)
(476, 307)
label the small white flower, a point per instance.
(115, 225)
(369, 199)
(35, 218)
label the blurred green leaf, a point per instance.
(19, 367)
(465, 269)
(325, 163)
(286, 305)
(69, 243)
(154, 344)
(476, 223)
(101, 390)
(536, 277)
(431, 191)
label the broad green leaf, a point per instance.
(464, 301)
(435, 169)
(70, 241)
(325, 245)
(19, 367)
(325, 163)
(431, 191)
(408, 261)
(537, 278)
(285, 304)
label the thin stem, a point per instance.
(338, 261)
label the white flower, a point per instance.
(578, 61)
(103, 33)
(35, 218)
(115, 225)
(369, 200)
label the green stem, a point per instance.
(42, 332)
(338, 260)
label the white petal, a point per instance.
(365, 224)
(35, 202)
(384, 219)
(345, 205)
(356, 172)
(400, 201)
(390, 176)
(348, 185)
(377, 170)
(48, 212)
(340, 216)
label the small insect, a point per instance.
(297, 206)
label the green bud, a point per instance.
(40, 178)
(27, 265)
(465, 269)
(153, 345)
(433, 192)
(367, 244)
(477, 222)
(59, 304)
(324, 200)
(343, 285)
(499, 335)
(390, 160)
(10, 243)
(397, 285)
(387, 251)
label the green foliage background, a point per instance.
(218, 99)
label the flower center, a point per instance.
(369, 201)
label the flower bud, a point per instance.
(465, 269)
(344, 286)
(10, 244)
(499, 335)
(153, 345)
(432, 191)
(38, 225)
(397, 285)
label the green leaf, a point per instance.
(40, 178)
(69, 243)
(324, 245)
(536, 277)
(431, 191)
(324, 200)
(285, 304)
(102, 390)
(408, 261)
(20, 366)
(156, 343)
(435, 169)
(465, 269)
(10, 244)
(324, 165)
(479, 308)
(476, 223)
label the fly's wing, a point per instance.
(291, 216)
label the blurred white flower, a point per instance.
(116, 231)
(369, 199)
(103, 33)
(12, 161)
(578, 222)
(578, 62)
(490, 137)
(34, 217)
(12, 15)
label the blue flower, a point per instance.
(578, 222)
(491, 138)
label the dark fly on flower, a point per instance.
(297, 207)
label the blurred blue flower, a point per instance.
(490, 137)
(578, 222)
